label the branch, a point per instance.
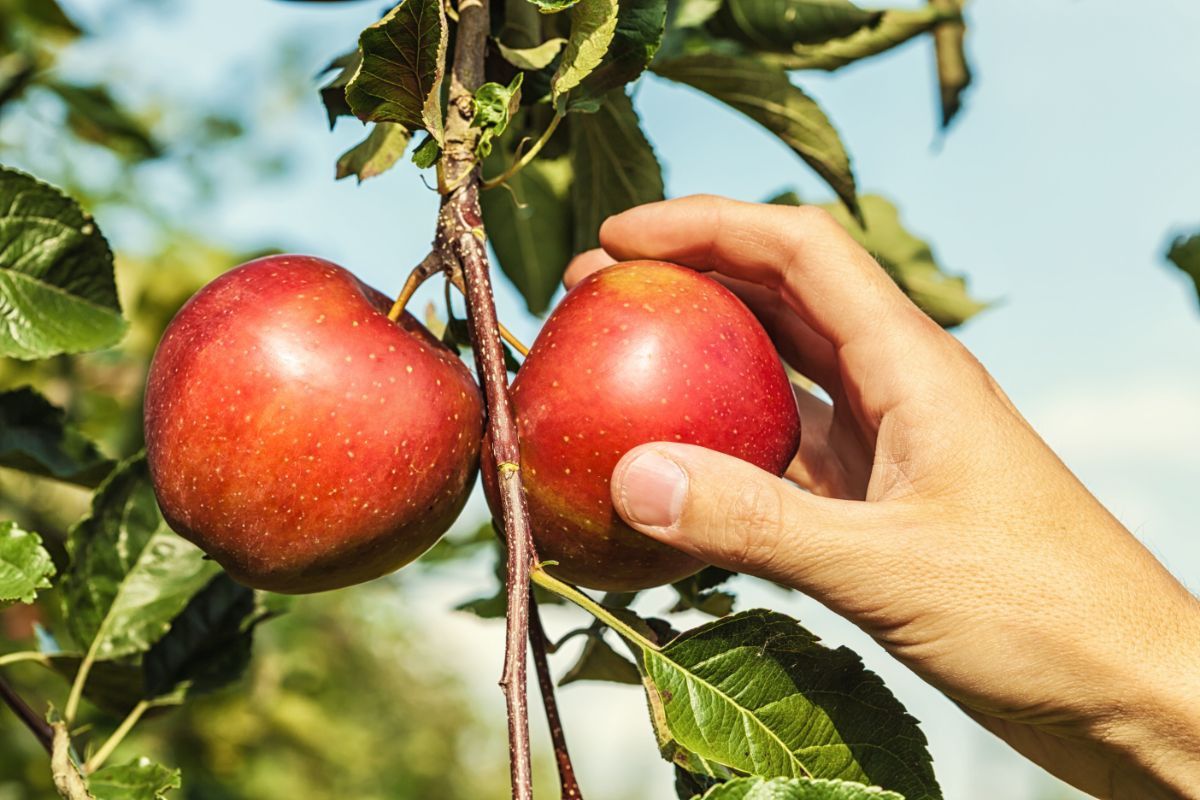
(37, 726)
(461, 239)
(566, 770)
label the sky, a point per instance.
(1055, 193)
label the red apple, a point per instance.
(639, 352)
(298, 436)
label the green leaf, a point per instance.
(1185, 254)
(532, 58)
(17, 71)
(778, 25)
(599, 662)
(638, 35)
(896, 27)
(954, 75)
(333, 94)
(764, 93)
(25, 566)
(593, 25)
(36, 438)
(759, 694)
(495, 104)
(910, 262)
(137, 780)
(553, 6)
(129, 575)
(796, 789)
(115, 687)
(47, 15)
(57, 291)
(376, 154)
(683, 14)
(95, 116)
(403, 63)
(426, 153)
(699, 592)
(788, 198)
(614, 167)
(529, 225)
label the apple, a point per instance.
(299, 437)
(638, 352)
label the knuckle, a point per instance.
(816, 218)
(751, 525)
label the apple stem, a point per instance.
(537, 641)
(429, 266)
(461, 240)
(36, 725)
(456, 280)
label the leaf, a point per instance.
(764, 93)
(638, 35)
(896, 27)
(333, 94)
(614, 167)
(532, 58)
(57, 291)
(788, 198)
(137, 780)
(209, 643)
(796, 789)
(426, 153)
(25, 566)
(115, 687)
(36, 438)
(17, 71)
(1185, 254)
(910, 262)
(495, 104)
(553, 6)
(95, 116)
(954, 74)
(778, 25)
(48, 15)
(593, 25)
(683, 14)
(699, 592)
(403, 63)
(759, 694)
(599, 662)
(376, 154)
(529, 225)
(129, 575)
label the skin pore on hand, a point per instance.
(925, 509)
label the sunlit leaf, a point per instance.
(954, 74)
(36, 438)
(896, 27)
(495, 104)
(593, 25)
(765, 94)
(638, 35)
(796, 789)
(376, 154)
(779, 25)
(25, 566)
(553, 6)
(57, 291)
(614, 167)
(532, 58)
(403, 62)
(1185, 254)
(137, 780)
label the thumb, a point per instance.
(727, 512)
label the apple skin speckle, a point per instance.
(707, 375)
(272, 445)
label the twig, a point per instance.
(455, 279)
(460, 238)
(529, 155)
(429, 266)
(537, 640)
(67, 780)
(37, 726)
(97, 760)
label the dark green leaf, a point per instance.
(529, 225)
(796, 789)
(764, 93)
(25, 566)
(495, 104)
(333, 94)
(896, 27)
(94, 115)
(36, 438)
(699, 592)
(129, 574)
(376, 154)
(1185, 254)
(57, 291)
(16, 73)
(115, 687)
(614, 167)
(778, 25)
(403, 62)
(426, 153)
(599, 662)
(954, 74)
(910, 262)
(639, 32)
(137, 780)
(532, 58)
(47, 15)
(788, 198)
(760, 694)
(593, 25)
(496, 605)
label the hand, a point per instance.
(934, 516)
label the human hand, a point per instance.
(935, 518)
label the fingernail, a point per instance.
(652, 491)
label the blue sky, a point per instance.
(1055, 193)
